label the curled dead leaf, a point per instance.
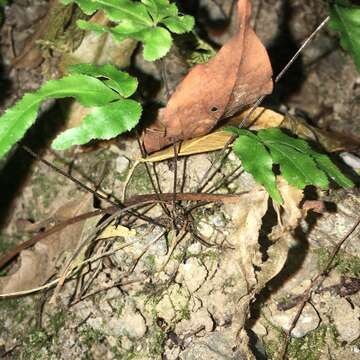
(261, 118)
(248, 215)
(235, 77)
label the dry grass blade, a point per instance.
(261, 118)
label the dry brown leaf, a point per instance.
(235, 77)
(257, 273)
(260, 119)
(38, 264)
(328, 140)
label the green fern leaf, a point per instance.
(18, 119)
(148, 21)
(345, 18)
(299, 164)
(293, 156)
(257, 161)
(324, 162)
(157, 42)
(119, 81)
(104, 123)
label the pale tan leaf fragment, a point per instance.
(257, 273)
(261, 118)
(116, 231)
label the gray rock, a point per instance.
(309, 319)
(122, 164)
(192, 274)
(332, 226)
(346, 320)
(215, 346)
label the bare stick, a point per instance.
(285, 69)
(70, 177)
(156, 190)
(315, 283)
(86, 188)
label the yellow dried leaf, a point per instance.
(116, 231)
(260, 119)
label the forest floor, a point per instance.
(148, 293)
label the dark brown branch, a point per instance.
(168, 197)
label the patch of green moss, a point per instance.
(272, 349)
(150, 263)
(120, 309)
(57, 321)
(157, 342)
(121, 176)
(34, 344)
(343, 263)
(17, 309)
(310, 346)
(123, 355)
(334, 335)
(140, 182)
(7, 242)
(45, 188)
(89, 335)
(185, 312)
(211, 255)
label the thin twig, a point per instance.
(285, 69)
(156, 190)
(58, 227)
(168, 197)
(76, 181)
(70, 177)
(110, 286)
(88, 239)
(315, 283)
